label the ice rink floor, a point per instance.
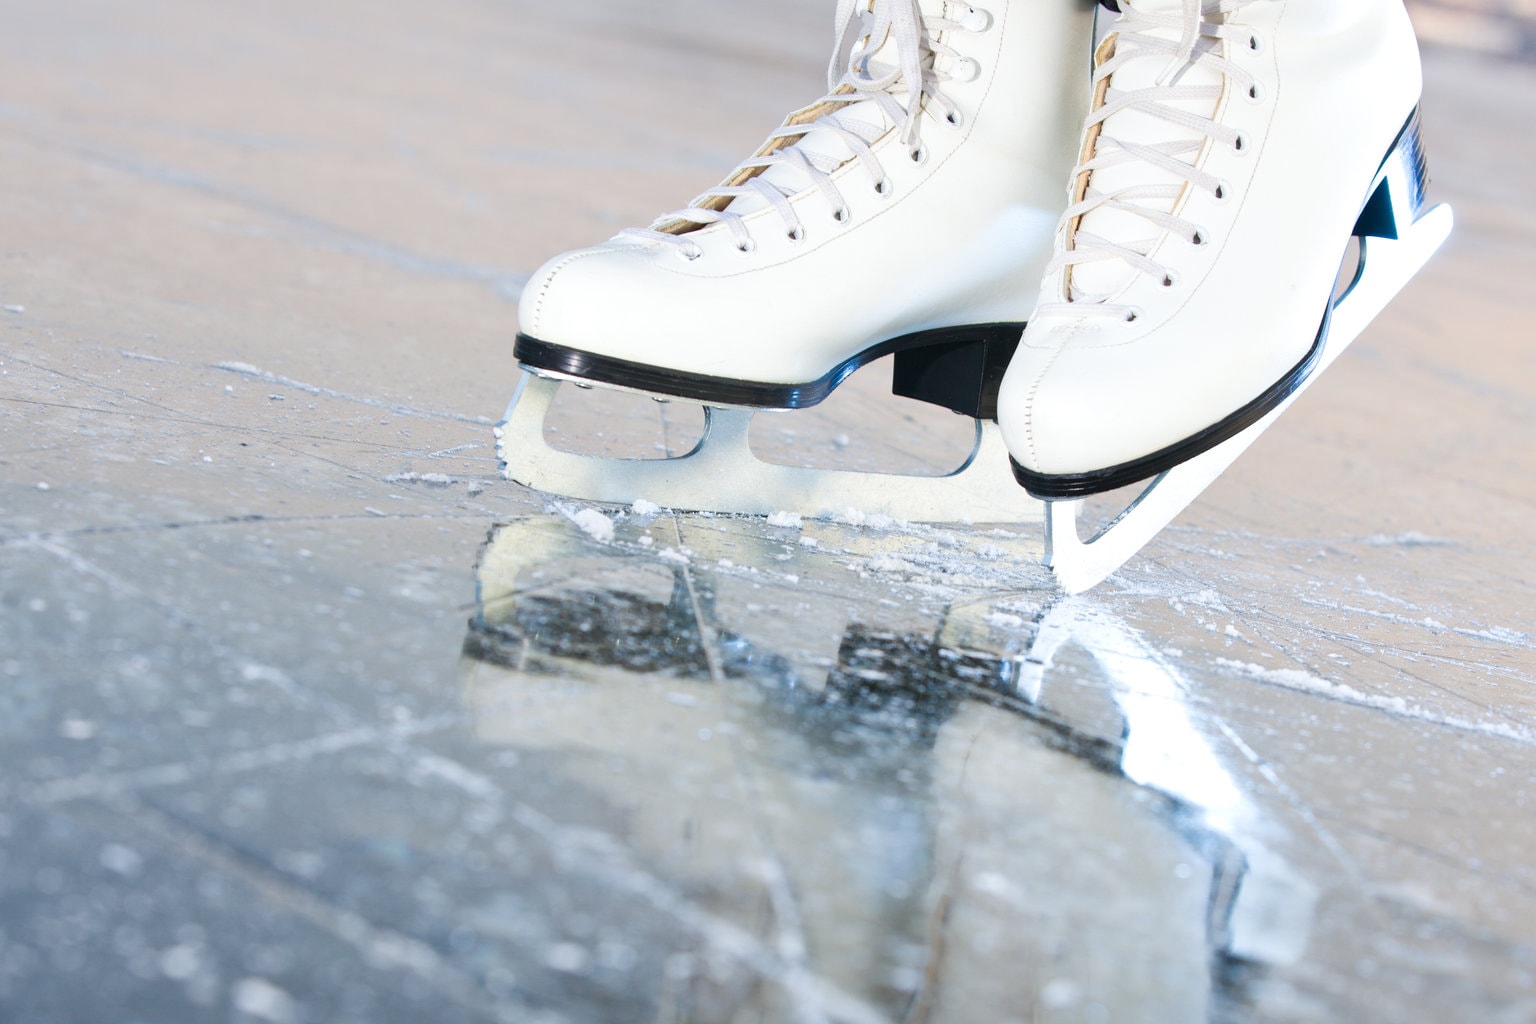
(307, 716)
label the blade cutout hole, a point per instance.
(621, 425)
(862, 427)
(1099, 511)
(1348, 269)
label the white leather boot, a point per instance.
(1233, 149)
(911, 209)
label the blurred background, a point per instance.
(1502, 27)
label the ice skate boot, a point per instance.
(910, 211)
(1233, 150)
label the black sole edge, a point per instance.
(1082, 485)
(536, 356)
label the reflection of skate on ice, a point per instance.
(931, 822)
(1230, 158)
(909, 211)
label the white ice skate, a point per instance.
(1233, 151)
(910, 212)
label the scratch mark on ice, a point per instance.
(83, 787)
(266, 377)
(1305, 682)
(378, 945)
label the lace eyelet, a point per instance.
(690, 252)
(954, 119)
(841, 215)
(1170, 278)
(1255, 93)
(746, 246)
(1198, 238)
(1223, 192)
(965, 70)
(1133, 314)
(919, 155)
(795, 234)
(1256, 43)
(975, 20)
(883, 187)
(1240, 144)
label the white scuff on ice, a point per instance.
(78, 729)
(1207, 599)
(456, 775)
(1004, 620)
(937, 562)
(434, 479)
(591, 522)
(248, 370)
(1409, 539)
(870, 520)
(641, 507)
(889, 563)
(1305, 682)
(256, 672)
(259, 998)
(1423, 622)
(790, 520)
(675, 556)
(1293, 678)
(1499, 634)
(120, 860)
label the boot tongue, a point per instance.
(1138, 127)
(826, 148)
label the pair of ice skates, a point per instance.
(1230, 152)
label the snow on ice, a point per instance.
(593, 523)
(435, 479)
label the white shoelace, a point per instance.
(854, 76)
(1146, 36)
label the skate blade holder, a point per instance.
(1396, 238)
(722, 474)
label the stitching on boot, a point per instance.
(549, 279)
(1029, 404)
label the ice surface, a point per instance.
(341, 726)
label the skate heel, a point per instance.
(1399, 194)
(958, 368)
